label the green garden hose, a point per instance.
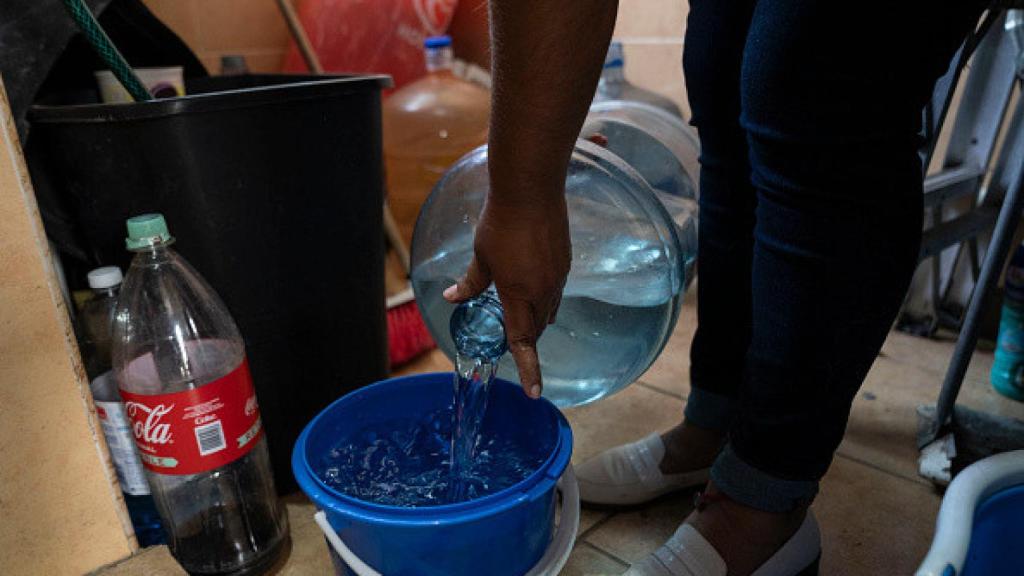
(106, 50)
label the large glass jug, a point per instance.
(662, 149)
(614, 86)
(428, 125)
(624, 290)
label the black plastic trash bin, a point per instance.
(273, 187)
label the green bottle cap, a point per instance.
(147, 230)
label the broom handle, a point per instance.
(308, 54)
(106, 50)
(395, 238)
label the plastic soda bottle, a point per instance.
(181, 366)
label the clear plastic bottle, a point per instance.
(614, 86)
(180, 362)
(95, 322)
(428, 125)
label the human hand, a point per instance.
(524, 248)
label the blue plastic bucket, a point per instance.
(995, 539)
(505, 533)
(978, 529)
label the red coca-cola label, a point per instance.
(196, 430)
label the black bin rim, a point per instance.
(303, 89)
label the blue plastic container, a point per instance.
(978, 529)
(995, 540)
(504, 533)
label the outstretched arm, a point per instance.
(546, 57)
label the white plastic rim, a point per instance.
(550, 563)
(956, 516)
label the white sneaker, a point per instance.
(687, 553)
(629, 474)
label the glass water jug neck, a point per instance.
(478, 327)
(439, 59)
(613, 73)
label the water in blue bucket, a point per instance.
(440, 456)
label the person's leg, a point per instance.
(716, 34)
(831, 101)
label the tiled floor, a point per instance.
(876, 513)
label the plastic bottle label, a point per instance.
(118, 432)
(197, 430)
(1015, 277)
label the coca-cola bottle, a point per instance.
(181, 366)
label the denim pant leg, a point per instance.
(831, 116)
(715, 36)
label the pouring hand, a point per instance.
(526, 252)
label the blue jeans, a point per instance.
(811, 203)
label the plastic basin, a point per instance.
(505, 533)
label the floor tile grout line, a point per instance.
(659, 390)
(595, 526)
(876, 467)
(603, 552)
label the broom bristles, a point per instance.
(408, 336)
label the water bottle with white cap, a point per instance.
(95, 322)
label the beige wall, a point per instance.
(212, 28)
(652, 35)
(61, 511)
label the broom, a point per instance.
(408, 336)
